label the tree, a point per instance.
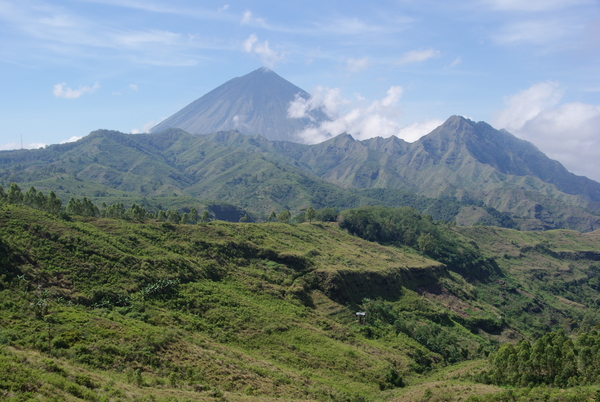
(137, 212)
(326, 215)
(427, 244)
(310, 214)
(193, 218)
(185, 218)
(273, 217)
(14, 195)
(174, 216)
(54, 204)
(205, 218)
(284, 216)
(161, 216)
(29, 198)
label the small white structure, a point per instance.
(361, 315)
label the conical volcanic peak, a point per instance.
(256, 103)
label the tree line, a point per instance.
(554, 359)
(404, 226)
(85, 207)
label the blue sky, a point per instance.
(378, 68)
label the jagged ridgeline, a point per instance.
(464, 172)
(101, 308)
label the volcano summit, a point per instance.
(256, 103)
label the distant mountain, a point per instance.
(463, 171)
(464, 160)
(256, 103)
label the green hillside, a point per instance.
(104, 309)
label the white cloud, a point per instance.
(527, 104)
(248, 44)
(223, 8)
(377, 119)
(328, 100)
(249, 19)
(356, 65)
(134, 87)
(415, 56)
(17, 145)
(568, 132)
(456, 62)
(533, 5)
(72, 139)
(354, 26)
(61, 91)
(414, 131)
(536, 32)
(146, 127)
(58, 30)
(268, 56)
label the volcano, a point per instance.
(256, 103)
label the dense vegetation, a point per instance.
(553, 359)
(405, 226)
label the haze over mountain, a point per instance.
(256, 103)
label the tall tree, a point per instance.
(284, 216)
(310, 214)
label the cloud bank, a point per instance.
(62, 91)
(376, 119)
(567, 132)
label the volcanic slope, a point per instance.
(256, 103)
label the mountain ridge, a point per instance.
(467, 164)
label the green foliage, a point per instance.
(84, 207)
(327, 214)
(438, 330)
(310, 214)
(284, 216)
(405, 226)
(32, 198)
(205, 218)
(267, 309)
(553, 359)
(187, 305)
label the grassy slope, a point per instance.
(260, 311)
(551, 277)
(249, 316)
